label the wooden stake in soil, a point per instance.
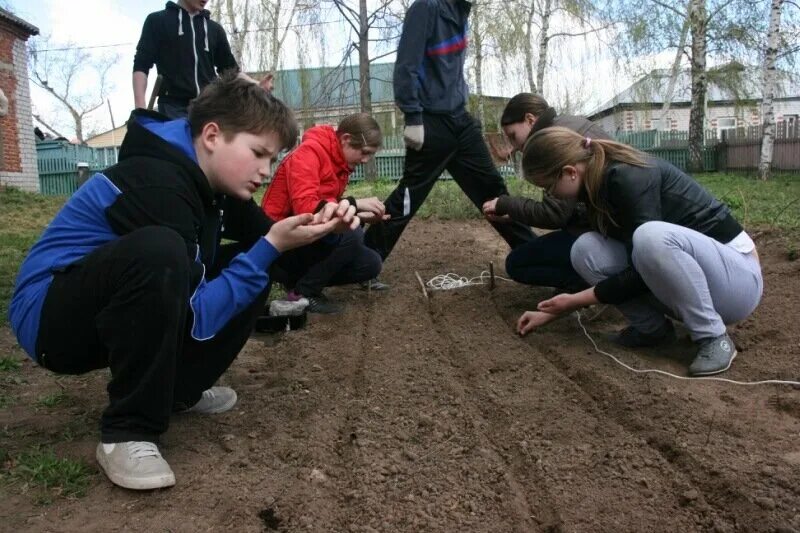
(491, 275)
(421, 284)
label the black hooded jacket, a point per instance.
(187, 50)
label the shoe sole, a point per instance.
(141, 483)
(711, 373)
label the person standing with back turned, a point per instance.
(439, 133)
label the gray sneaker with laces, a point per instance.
(715, 355)
(135, 465)
(215, 400)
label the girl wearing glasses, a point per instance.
(662, 246)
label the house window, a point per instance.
(791, 125)
(726, 123)
(655, 124)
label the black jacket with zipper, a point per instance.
(188, 51)
(659, 192)
(429, 70)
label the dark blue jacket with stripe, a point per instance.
(429, 70)
(157, 182)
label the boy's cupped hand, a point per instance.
(300, 230)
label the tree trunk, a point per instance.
(544, 40)
(697, 21)
(528, 49)
(477, 46)
(676, 68)
(768, 92)
(370, 169)
(78, 125)
(238, 35)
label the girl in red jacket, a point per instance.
(314, 173)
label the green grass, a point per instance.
(9, 364)
(446, 201)
(758, 203)
(23, 216)
(41, 468)
(52, 400)
(5, 400)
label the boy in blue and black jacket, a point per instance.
(430, 89)
(131, 275)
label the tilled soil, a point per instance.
(407, 414)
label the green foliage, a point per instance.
(53, 399)
(54, 476)
(8, 364)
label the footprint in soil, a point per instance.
(270, 519)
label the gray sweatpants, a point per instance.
(702, 282)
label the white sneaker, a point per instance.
(288, 308)
(135, 465)
(215, 400)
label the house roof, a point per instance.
(327, 87)
(728, 83)
(29, 28)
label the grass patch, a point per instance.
(446, 200)
(5, 401)
(754, 202)
(9, 364)
(52, 476)
(23, 217)
(52, 400)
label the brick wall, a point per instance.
(18, 166)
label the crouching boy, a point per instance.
(131, 275)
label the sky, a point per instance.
(119, 22)
(90, 23)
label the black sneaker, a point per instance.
(322, 305)
(374, 285)
(714, 356)
(631, 337)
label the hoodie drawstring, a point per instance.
(205, 30)
(180, 22)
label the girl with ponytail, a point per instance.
(662, 246)
(544, 260)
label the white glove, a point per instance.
(414, 137)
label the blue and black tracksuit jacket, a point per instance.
(157, 182)
(429, 70)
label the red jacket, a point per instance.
(314, 172)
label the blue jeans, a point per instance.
(545, 261)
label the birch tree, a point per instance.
(545, 22)
(697, 25)
(768, 92)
